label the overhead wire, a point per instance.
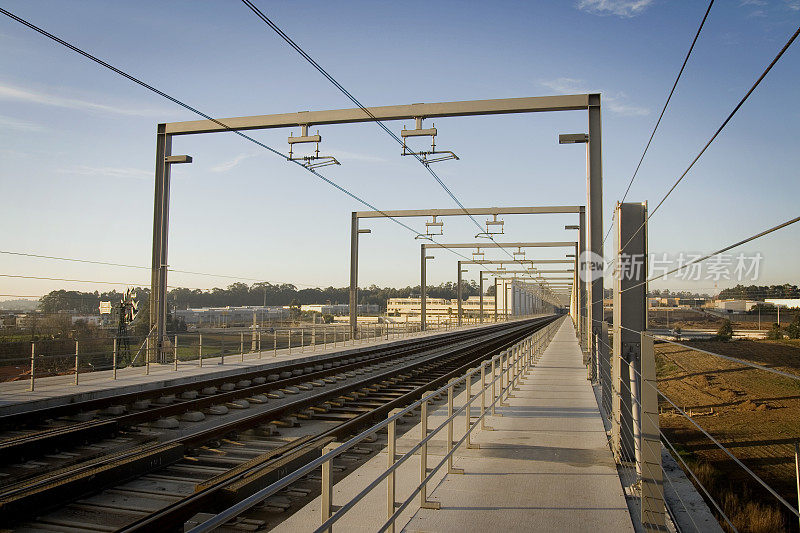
(717, 132)
(269, 22)
(207, 117)
(757, 478)
(665, 439)
(708, 256)
(661, 115)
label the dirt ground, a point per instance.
(755, 414)
(683, 318)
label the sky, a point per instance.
(77, 142)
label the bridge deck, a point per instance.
(546, 467)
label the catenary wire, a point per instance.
(720, 251)
(663, 110)
(718, 131)
(208, 117)
(715, 441)
(260, 14)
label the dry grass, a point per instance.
(737, 502)
(756, 415)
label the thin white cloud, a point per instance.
(8, 92)
(620, 8)
(108, 172)
(613, 102)
(225, 166)
(566, 86)
(752, 3)
(625, 109)
(16, 124)
(793, 5)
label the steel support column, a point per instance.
(630, 318)
(353, 275)
(158, 280)
(480, 305)
(458, 293)
(581, 279)
(423, 275)
(595, 206)
(653, 509)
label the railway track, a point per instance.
(154, 468)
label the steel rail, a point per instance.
(173, 454)
(176, 514)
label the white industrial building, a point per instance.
(438, 309)
(788, 303)
(340, 309)
(735, 306)
(224, 316)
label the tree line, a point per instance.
(241, 294)
(760, 292)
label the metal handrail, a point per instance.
(224, 516)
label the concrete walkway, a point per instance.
(546, 467)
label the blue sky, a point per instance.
(77, 142)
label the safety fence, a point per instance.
(633, 401)
(112, 358)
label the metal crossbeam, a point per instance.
(501, 106)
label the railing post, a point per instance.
(175, 352)
(241, 344)
(391, 432)
(274, 342)
(290, 341)
(200, 352)
(76, 362)
(653, 510)
(483, 398)
(259, 344)
(326, 504)
(33, 366)
(503, 377)
(423, 460)
(467, 410)
(494, 394)
(113, 359)
(450, 468)
(222, 352)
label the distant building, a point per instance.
(226, 316)
(340, 309)
(439, 308)
(789, 303)
(735, 306)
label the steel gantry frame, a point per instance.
(502, 262)
(424, 260)
(532, 271)
(436, 213)
(535, 104)
(501, 277)
(553, 288)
